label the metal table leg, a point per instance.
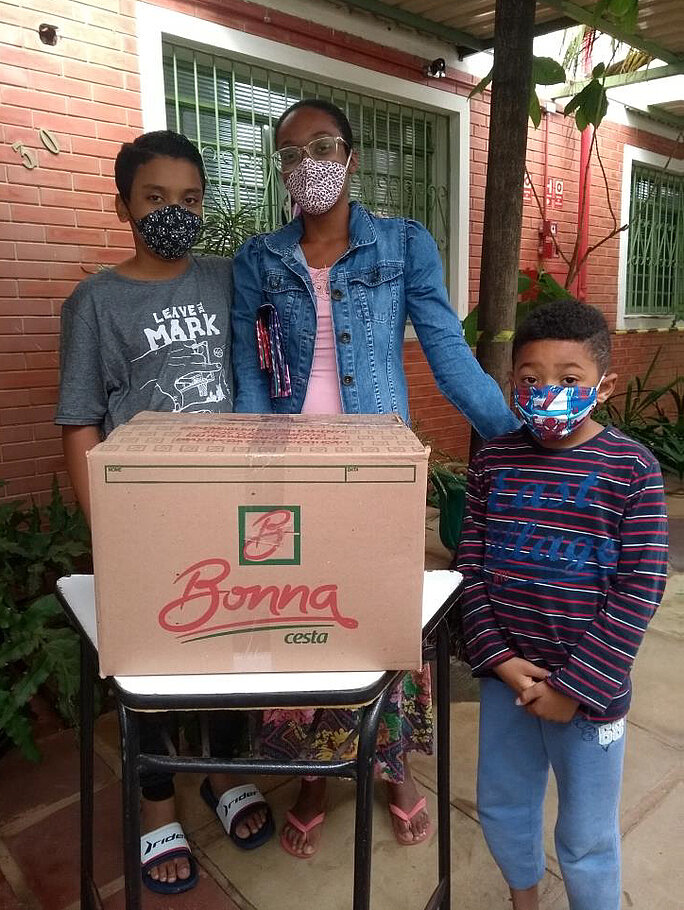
(87, 724)
(363, 839)
(130, 755)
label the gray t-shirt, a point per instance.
(130, 346)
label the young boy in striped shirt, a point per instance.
(564, 553)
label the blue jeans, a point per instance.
(516, 750)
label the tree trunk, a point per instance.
(511, 80)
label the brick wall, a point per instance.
(57, 221)
(633, 350)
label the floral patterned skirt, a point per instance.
(405, 726)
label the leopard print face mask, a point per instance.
(317, 185)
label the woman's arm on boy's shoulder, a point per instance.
(457, 373)
(485, 642)
(251, 382)
(603, 657)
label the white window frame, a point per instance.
(631, 155)
(155, 23)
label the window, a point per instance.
(229, 108)
(655, 257)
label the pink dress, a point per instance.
(323, 389)
(406, 724)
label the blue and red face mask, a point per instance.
(555, 411)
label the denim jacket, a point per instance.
(391, 271)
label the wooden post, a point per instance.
(511, 83)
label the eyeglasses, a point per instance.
(322, 149)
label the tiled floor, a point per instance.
(39, 809)
(47, 852)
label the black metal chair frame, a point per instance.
(371, 700)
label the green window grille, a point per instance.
(655, 260)
(229, 109)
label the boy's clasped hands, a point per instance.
(534, 693)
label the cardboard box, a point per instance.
(239, 543)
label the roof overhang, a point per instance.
(469, 24)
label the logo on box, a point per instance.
(210, 605)
(269, 535)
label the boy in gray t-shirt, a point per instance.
(153, 333)
(131, 345)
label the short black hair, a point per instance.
(567, 320)
(148, 146)
(319, 104)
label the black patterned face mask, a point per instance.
(170, 231)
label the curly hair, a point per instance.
(567, 320)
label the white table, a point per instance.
(232, 691)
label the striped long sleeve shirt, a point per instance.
(564, 552)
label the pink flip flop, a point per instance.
(300, 826)
(406, 817)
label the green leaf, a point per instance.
(481, 85)
(43, 609)
(550, 289)
(18, 728)
(596, 105)
(590, 105)
(535, 109)
(547, 71)
(62, 653)
(573, 104)
(469, 326)
(17, 648)
(73, 548)
(581, 120)
(29, 684)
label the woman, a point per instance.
(330, 294)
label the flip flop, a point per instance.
(233, 806)
(163, 844)
(304, 828)
(406, 817)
